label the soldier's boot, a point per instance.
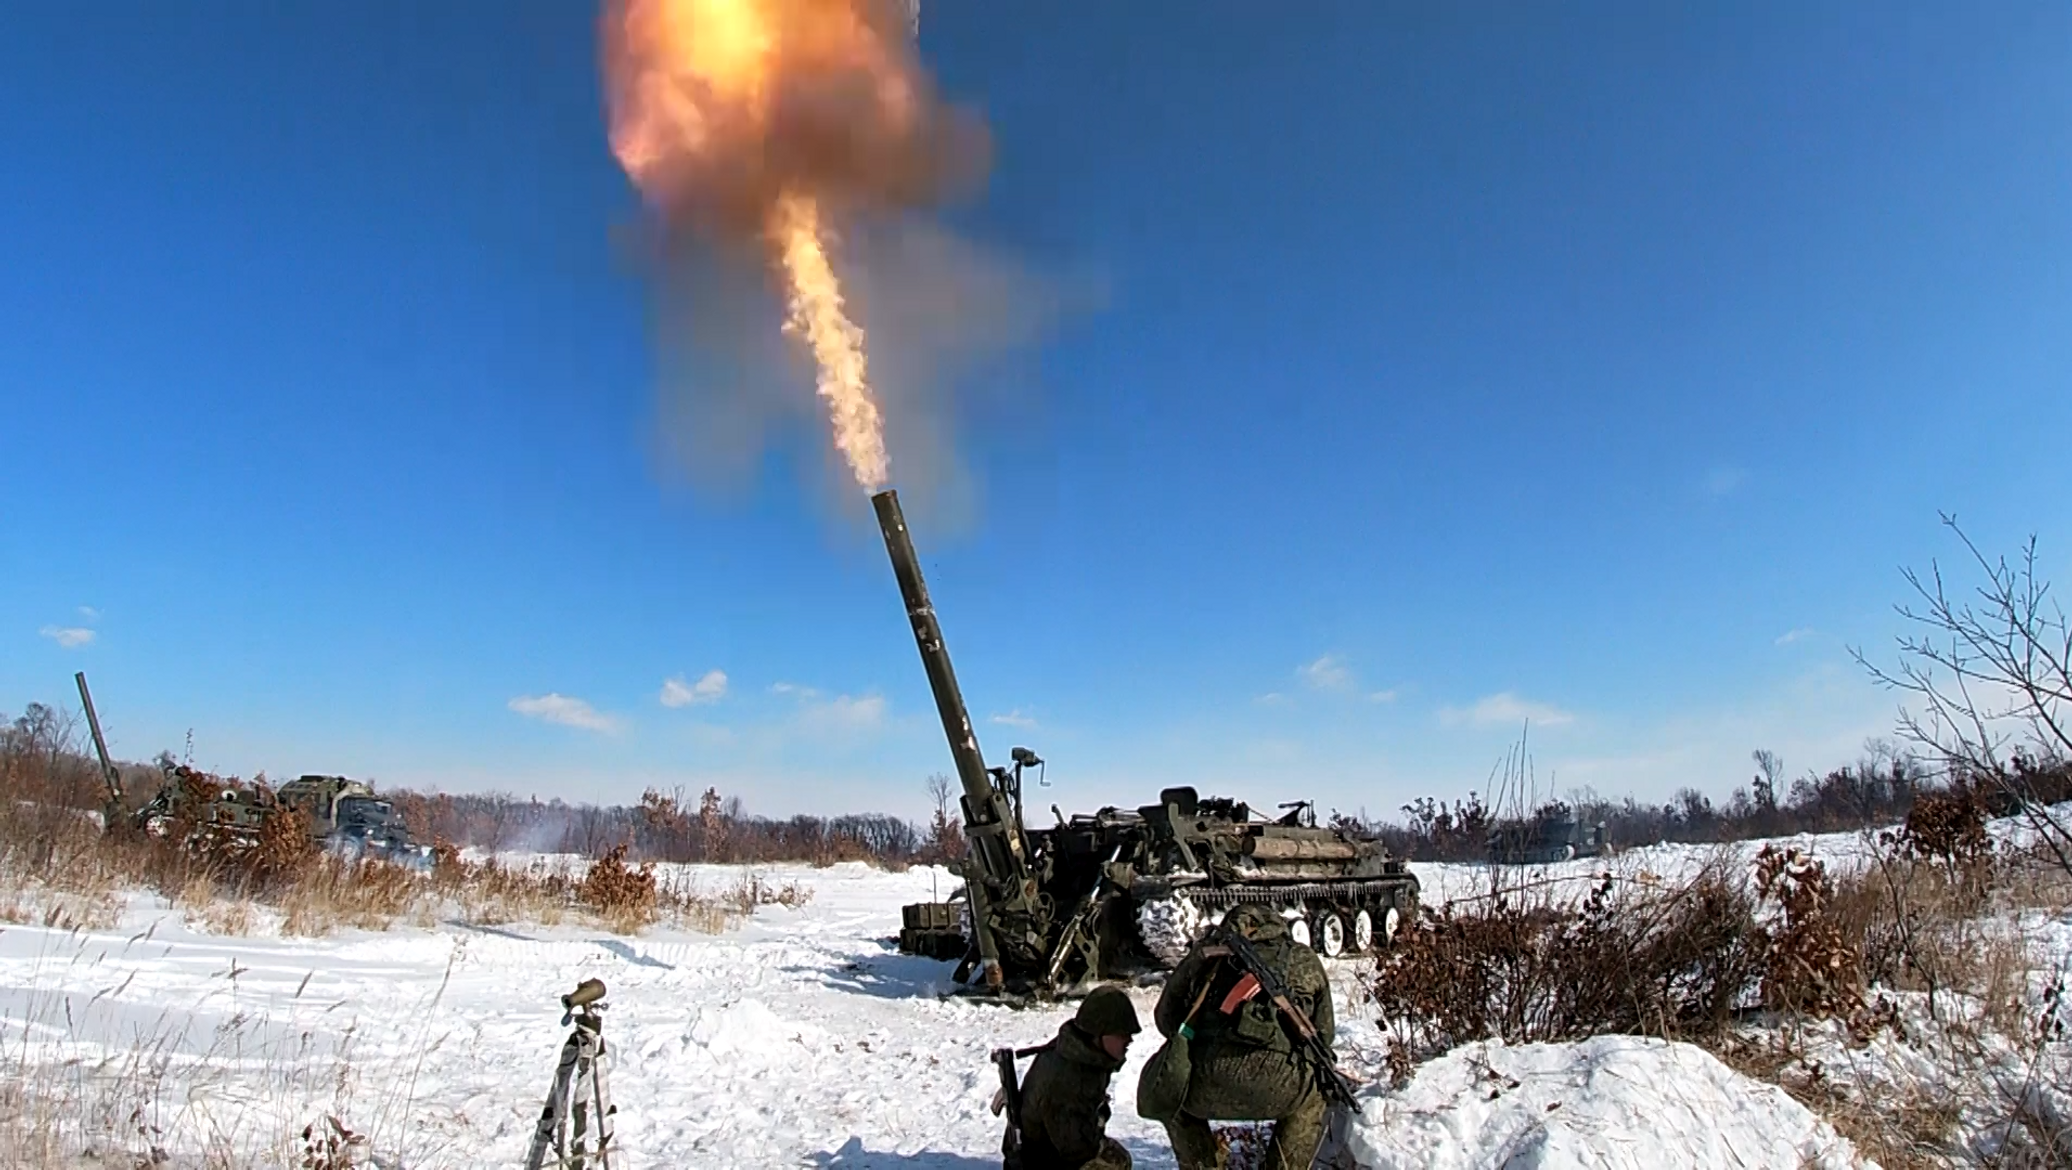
(1111, 1157)
(1297, 1136)
(1194, 1143)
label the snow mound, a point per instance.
(1610, 1101)
(747, 1033)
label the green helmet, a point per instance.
(1107, 1012)
(1256, 920)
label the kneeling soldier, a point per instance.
(1065, 1098)
(1246, 1065)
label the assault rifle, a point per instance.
(1335, 1086)
(1009, 1099)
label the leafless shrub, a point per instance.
(1629, 958)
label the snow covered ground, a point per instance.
(799, 1038)
(1612, 1101)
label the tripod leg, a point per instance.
(604, 1106)
(583, 1094)
(554, 1114)
(580, 1106)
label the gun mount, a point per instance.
(1096, 896)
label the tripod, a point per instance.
(579, 1095)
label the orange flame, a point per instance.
(816, 312)
(752, 117)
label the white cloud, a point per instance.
(1272, 699)
(1797, 635)
(562, 709)
(1387, 696)
(849, 711)
(1014, 718)
(1329, 673)
(1505, 708)
(794, 690)
(1724, 481)
(711, 687)
(70, 637)
(89, 613)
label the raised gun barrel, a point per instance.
(935, 657)
(1002, 884)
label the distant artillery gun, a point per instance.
(209, 810)
(344, 816)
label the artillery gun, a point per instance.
(1100, 895)
(204, 805)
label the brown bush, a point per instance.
(620, 895)
(1947, 826)
(1628, 959)
(1813, 967)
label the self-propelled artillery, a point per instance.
(1101, 895)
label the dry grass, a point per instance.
(257, 1097)
(57, 869)
(1912, 1129)
(753, 890)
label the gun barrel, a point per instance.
(935, 656)
(93, 724)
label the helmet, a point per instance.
(1107, 1012)
(1255, 920)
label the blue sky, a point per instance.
(1426, 368)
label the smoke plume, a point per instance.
(778, 143)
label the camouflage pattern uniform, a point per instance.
(1065, 1097)
(1245, 1064)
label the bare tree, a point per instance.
(1988, 682)
(1770, 768)
(945, 832)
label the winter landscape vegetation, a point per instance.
(1481, 434)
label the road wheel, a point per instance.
(1329, 931)
(1363, 931)
(1298, 929)
(1390, 920)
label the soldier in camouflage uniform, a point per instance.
(1246, 1065)
(1065, 1098)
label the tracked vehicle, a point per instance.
(1552, 835)
(1119, 891)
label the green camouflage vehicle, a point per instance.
(349, 819)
